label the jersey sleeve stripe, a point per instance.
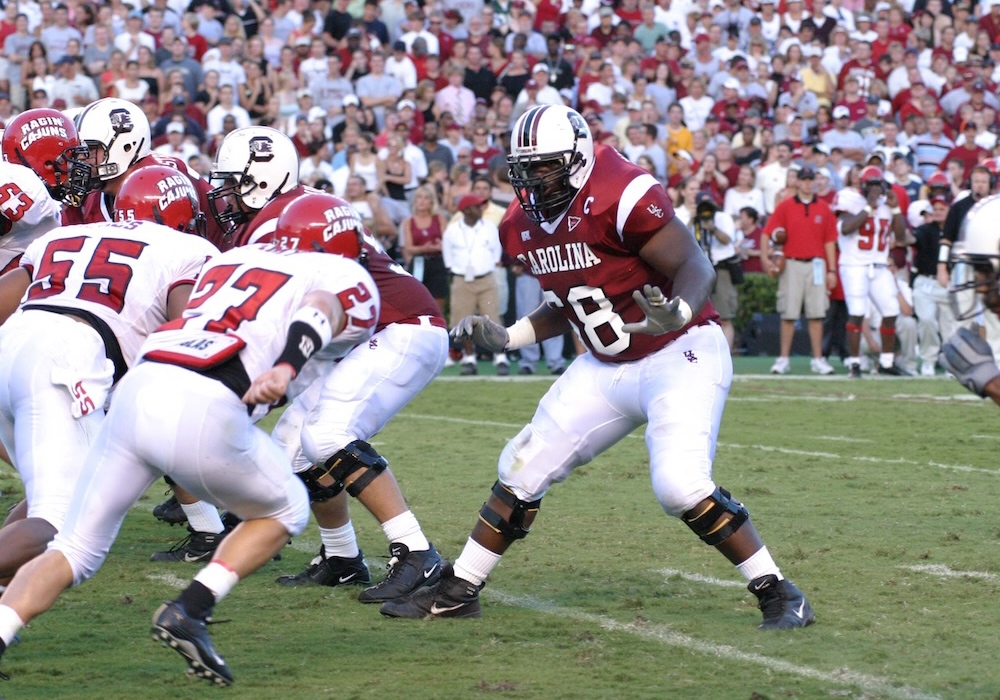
(630, 196)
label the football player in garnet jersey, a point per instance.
(601, 236)
(975, 284)
(117, 137)
(94, 292)
(188, 410)
(326, 428)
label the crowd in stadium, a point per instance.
(723, 101)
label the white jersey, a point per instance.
(117, 275)
(871, 243)
(27, 210)
(243, 302)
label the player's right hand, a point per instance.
(269, 387)
(970, 359)
(487, 334)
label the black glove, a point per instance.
(485, 333)
(970, 359)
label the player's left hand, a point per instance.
(269, 387)
(662, 316)
(970, 359)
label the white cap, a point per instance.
(841, 111)
(352, 100)
(403, 104)
(915, 212)
(540, 67)
(175, 128)
(731, 84)
(316, 113)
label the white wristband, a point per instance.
(684, 309)
(521, 334)
(896, 211)
(944, 253)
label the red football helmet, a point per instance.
(42, 140)
(871, 175)
(162, 194)
(938, 179)
(321, 222)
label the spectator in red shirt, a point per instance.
(991, 20)
(854, 100)
(482, 152)
(969, 152)
(861, 66)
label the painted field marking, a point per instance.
(943, 571)
(737, 446)
(838, 438)
(170, 579)
(700, 578)
(665, 635)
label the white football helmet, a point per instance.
(551, 158)
(975, 258)
(121, 129)
(253, 165)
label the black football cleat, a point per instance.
(782, 604)
(331, 571)
(450, 597)
(196, 547)
(406, 572)
(170, 512)
(188, 636)
(854, 371)
(893, 371)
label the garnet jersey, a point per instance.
(117, 274)
(243, 302)
(265, 220)
(871, 243)
(27, 210)
(97, 207)
(588, 262)
(403, 296)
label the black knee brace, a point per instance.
(705, 520)
(512, 528)
(356, 456)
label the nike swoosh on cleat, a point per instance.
(802, 607)
(437, 609)
(761, 586)
(430, 571)
(345, 579)
(192, 558)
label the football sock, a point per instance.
(217, 578)
(405, 529)
(885, 359)
(475, 562)
(340, 541)
(10, 624)
(197, 600)
(203, 517)
(759, 564)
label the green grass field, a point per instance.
(877, 497)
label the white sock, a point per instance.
(853, 361)
(10, 623)
(475, 563)
(340, 541)
(886, 359)
(405, 529)
(759, 564)
(468, 359)
(203, 517)
(218, 578)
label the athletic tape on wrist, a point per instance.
(308, 331)
(521, 334)
(684, 309)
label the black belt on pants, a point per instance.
(804, 259)
(111, 347)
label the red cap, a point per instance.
(471, 200)
(701, 37)
(531, 84)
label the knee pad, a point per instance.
(708, 522)
(356, 456)
(512, 528)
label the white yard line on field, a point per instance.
(700, 578)
(665, 635)
(736, 446)
(170, 580)
(838, 438)
(943, 571)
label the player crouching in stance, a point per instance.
(90, 295)
(657, 356)
(188, 411)
(975, 283)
